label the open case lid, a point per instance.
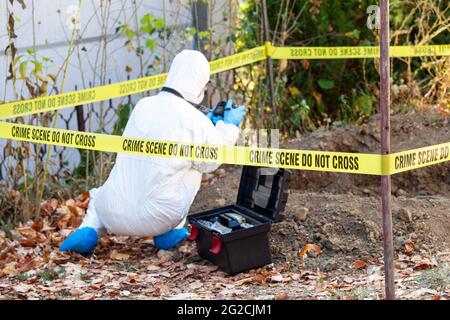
(264, 190)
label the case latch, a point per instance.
(194, 233)
(216, 244)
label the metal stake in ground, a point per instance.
(386, 149)
(269, 66)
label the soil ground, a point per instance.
(334, 251)
(408, 131)
(344, 209)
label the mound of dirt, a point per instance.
(409, 131)
(348, 228)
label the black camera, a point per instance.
(220, 108)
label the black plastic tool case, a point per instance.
(261, 200)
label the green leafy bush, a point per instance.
(310, 93)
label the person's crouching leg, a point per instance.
(171, 239)
(82, 241)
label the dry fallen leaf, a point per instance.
(47, 227)
(359, 264)
(25, 265)
(62, 210)
(423, 265)
(97, 280)
(282, 296)
(49, 206)
(22, 288)
(400, 265)
(347, 279)
(9, 269)
(76, 292)
(70, 202)
(277, 278)
(84, 196)
(73, 210)
(115, 255)
(195, 285)
(409, 249)
(37, 225)
(295, 276)
(310, 249)
(28, 243)
(165, 274)
(164, 255)
(125, 293)
(244, 281)
(27, 232)
(163, 289)
(153, 268)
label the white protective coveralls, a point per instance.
(148, 196)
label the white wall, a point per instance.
(92, 61)
(52, 35)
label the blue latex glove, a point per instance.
(213, 118)
(233, 115)
(82, 241)
(170, 239)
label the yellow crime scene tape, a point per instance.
(360, 163)
(238, 60)
(373, 164)
(120, 89)
(355, 52)
(264, 157)
(418, 158)
(64, 100)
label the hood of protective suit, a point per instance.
(189, 74)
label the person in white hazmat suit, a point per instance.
(151, 196)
